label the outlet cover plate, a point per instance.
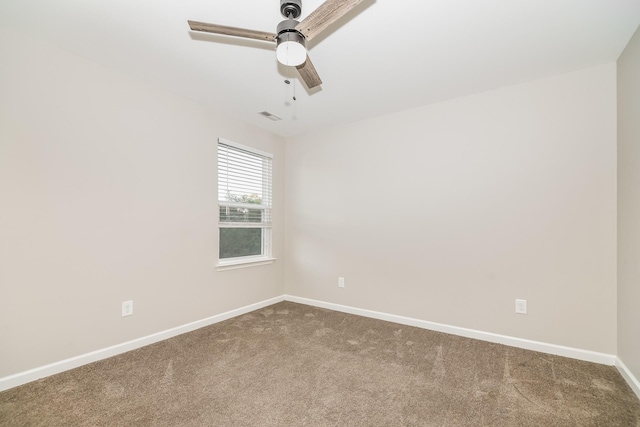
(127, 308)
(521, 306)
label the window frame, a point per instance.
(266, 256)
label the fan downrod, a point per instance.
(291, 9)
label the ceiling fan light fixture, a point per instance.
(291, 45)
(291, 52)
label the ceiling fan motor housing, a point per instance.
(287, 32)
(288, 26)
(291, 8)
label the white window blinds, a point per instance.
(244, 186)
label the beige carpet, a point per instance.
(295, 365)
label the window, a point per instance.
(244, 200)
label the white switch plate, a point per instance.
(521, 306)
(127, 308)
(341, 282)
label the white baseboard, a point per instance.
(74, 362)
(628, 376)
(574, 353)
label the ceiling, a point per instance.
(384, 56)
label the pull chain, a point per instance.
(287, 81)
(293, 105)
(294, 89)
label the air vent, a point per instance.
(270, 116)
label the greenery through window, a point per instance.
(244, 200)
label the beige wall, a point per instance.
(449, 212)
(629, 206)
(108, 193)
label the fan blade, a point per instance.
(231, 31)
(309, 74)
(326, 14)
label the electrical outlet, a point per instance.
(127, 308)
(341, 282)
(521, 306)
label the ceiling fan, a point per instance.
(291, 36)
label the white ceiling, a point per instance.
(384, 56)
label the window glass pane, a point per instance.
(238, 242)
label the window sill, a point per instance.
(244, 263)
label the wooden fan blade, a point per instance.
(326, 14)
(309, 74)
(231, 31)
